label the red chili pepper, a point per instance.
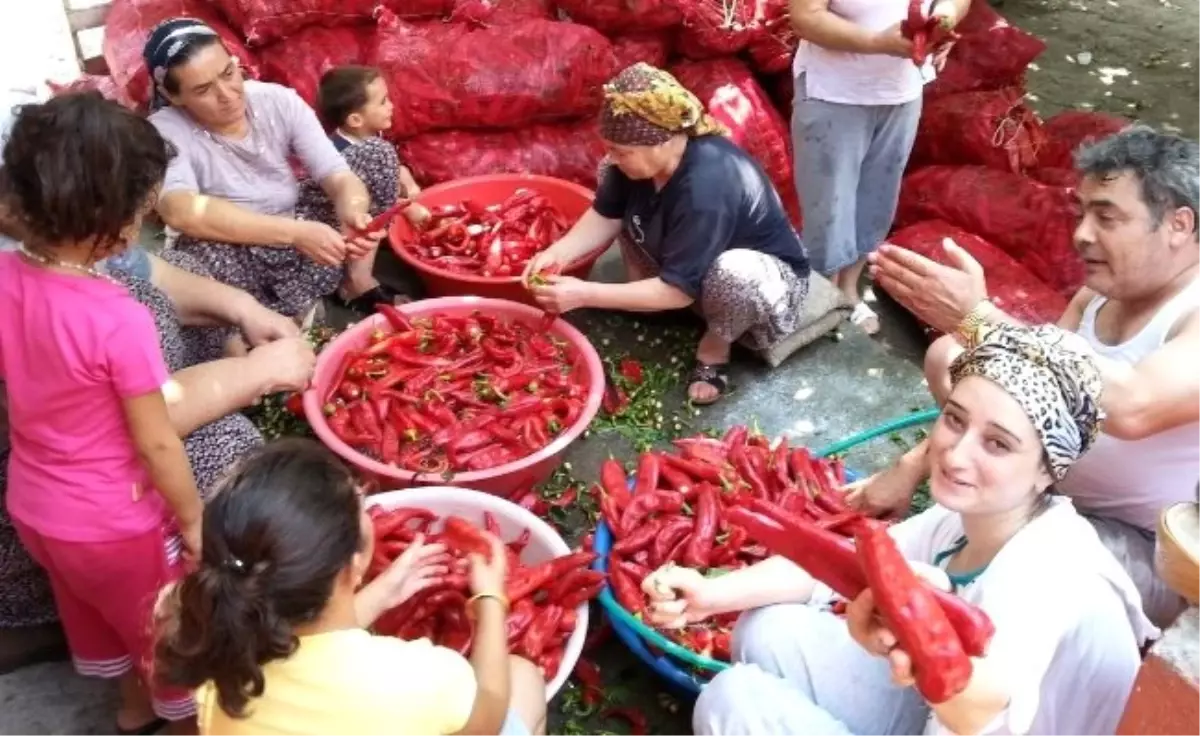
(741, 461)
(295, 405)
(676, 479)
(589, 678)
(940, 666)
(631, 370)
(735, 436)
(564, 499)
(626, 590)
(643, 504)
(781, 471)
(395, 317)
(580, 596)
(646, 478)
(463, 536)
(634, 717)
(699, 547)
(578, 578)
(614, 401)
(519, 619)
(636, 540)
(667, 536)
(613, 480)
(533, 643)
(697, 470)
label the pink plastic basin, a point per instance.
(544, 544)
(502, 479)
(570, 198)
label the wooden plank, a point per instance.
(86, 18)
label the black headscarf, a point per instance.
(167, 43)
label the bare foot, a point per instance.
(865, 318)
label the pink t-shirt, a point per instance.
(71, 348)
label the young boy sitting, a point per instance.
(353, 103)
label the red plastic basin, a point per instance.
(501, 480)
(570, 198)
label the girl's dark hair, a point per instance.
(79, 167)
(279, 531)
(343, 92)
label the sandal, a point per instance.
(366, 302)
(865, 318)
(153, 726)
(716, 376)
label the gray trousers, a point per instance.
(849, 162)
(1134, 549)
(798, 671)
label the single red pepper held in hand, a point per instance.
(941, 667)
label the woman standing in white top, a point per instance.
(856, 109)
(1068, 619)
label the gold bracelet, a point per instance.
(970, 331)
(498, 597)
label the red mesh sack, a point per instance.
(729, 91)
(1067, 131)
(652, 48)
(990, 54)
(300, 60)
(128, 25)
(498, 12)
(623, 16)
(992, 129)
(570, 151)
(1032, 222)
(1056, 177)
(773, 49)
(264, 21)
(714, 28)
(1011, 286)
(450, 75)
(415, 8)
(102, 83)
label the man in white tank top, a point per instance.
(1139, 310)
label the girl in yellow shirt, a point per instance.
(269, 629)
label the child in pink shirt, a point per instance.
(99, 487)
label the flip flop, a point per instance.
(151, 727)
(862, 316)
(366, 302)
(716, 376)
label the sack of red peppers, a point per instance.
(544, 598)
(505, 389)
(720, 504)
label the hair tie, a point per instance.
(234, 564)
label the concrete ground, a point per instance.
(829, 390)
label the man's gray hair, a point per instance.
(1167, 166)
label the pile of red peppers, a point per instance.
(543, 598)
(926, 32)
(494, 240)
(446, 394)
(726, 503)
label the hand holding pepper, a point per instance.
(545, 261)
(420, 567)
(487, 576)
(561, 294)
(360, 243)
(893, 43)
(678, 597)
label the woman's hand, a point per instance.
(887, 493)
(486, 576)
(260, 325)
(287, 364)
(678, 597)
(561, 294)
(544, 261)
(192, 534)
(892, 43)
(321, 243)
(420, 567)
(359, 242)
(417, 214)
(868, 629)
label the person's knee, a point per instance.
(938, 358)
(719, 700)
(738, 269)
(755, 633)
(528, 688)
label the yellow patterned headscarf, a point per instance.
(645, 106)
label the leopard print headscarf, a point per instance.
(1051, 374)
(645, 106)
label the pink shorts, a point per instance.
(105, 593)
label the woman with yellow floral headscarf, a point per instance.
(703, 227)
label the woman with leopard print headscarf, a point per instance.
(701, 224)
(1024, 407)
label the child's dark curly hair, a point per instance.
(80, 167)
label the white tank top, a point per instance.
(862, 79)
(1134, 481)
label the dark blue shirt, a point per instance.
(718, 199)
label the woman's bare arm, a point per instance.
(212, 218)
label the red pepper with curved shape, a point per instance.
(698, 551)
(644, 504)
(613, 480)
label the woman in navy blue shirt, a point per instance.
(701, 227)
